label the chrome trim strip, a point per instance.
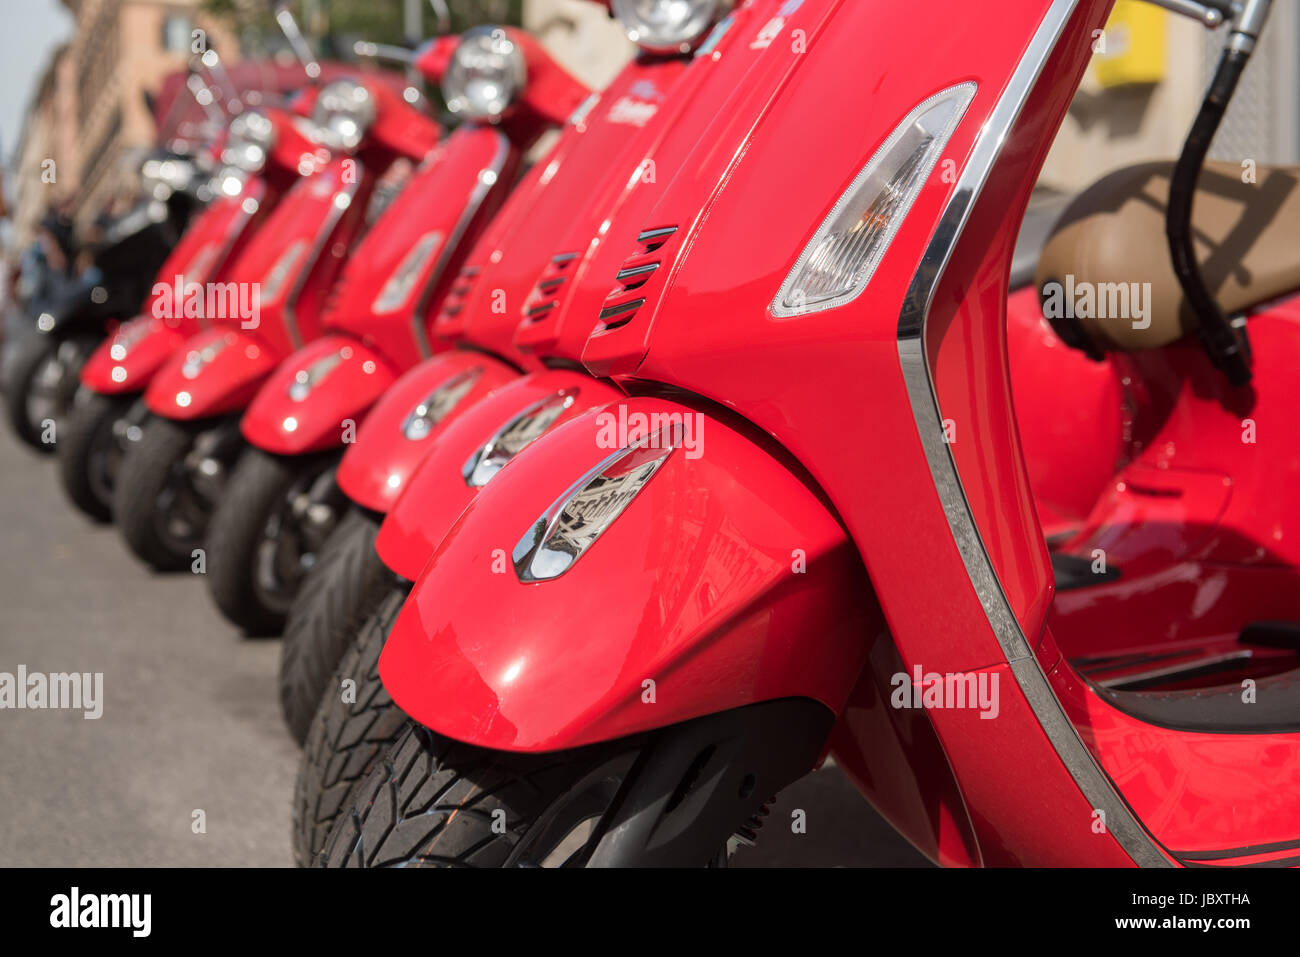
(323, 234)
(1088, 776)
(482, 187)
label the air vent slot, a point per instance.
(637, 270)
(454, 302)
(546, 293)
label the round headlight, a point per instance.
(252, 135)
(486, 74)
(162, 177)
(343, 112)
(668, 26)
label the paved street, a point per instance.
(190, 720)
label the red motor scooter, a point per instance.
(269, 304)
(262, 152)
(268, 524)
(649, 118)
(808, 527)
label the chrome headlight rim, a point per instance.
(476, 91)
(681, 35)
(252, 135)
(343, 113)
(161, 176)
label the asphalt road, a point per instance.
(190, 720)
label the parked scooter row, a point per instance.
(609, 495)
(811, 516)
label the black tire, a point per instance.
(257, 486)
(30, 356)
(145, 473)
(345, 739)
(88, 428)
(674, 797)
(341, 591)
(433, 802)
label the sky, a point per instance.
(29, 30)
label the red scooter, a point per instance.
(269, 304)
(808, 526)
(263, 155)
(604, 166)
(268, 524)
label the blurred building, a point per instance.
(91, 114)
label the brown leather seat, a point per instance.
(1247, 241)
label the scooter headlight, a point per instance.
(343, 113)
(252, 135)
(843, 254)
(668, 26)
(486, 74)
(163, 177)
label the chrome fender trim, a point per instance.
(1088, 775)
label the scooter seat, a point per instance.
(1221, 710)
(1110, 243)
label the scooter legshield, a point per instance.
(127, 360)
(391, 443)
(724, 582)
(215, 372)
(471, 450)
(315, 398)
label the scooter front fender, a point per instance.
(724, 582)
(391, 443)
(469, 453)
(316, 397)
(213, 373)
(126, 361)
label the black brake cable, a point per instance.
(1226, 345)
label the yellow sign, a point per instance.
(1131, 51)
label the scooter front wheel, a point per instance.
(163, 492)
(268, 528)
(91, 451)
(354, 723)
(681, 796)
(43, 379)
(345, 585)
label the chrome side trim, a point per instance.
(487, 178)
(313, 254)
(1088, 776)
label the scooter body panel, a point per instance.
(213, 373)
(315, 398)
(405, 261)
(470, 451)
(436, 391)
(483, 306)
(711, 606)
(127, 360)
(273, 295)
(379, 310)
(649, 119)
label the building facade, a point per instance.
(91, 114)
